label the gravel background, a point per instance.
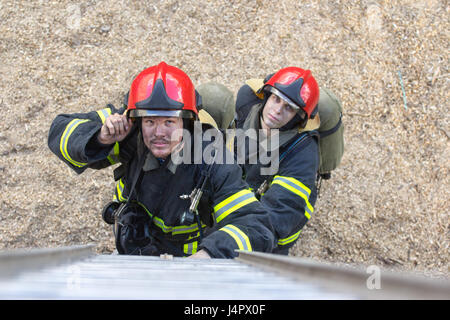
(387, 204)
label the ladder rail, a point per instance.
(14, 262)
(355, 279)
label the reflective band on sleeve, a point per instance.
(298, 188)
(292, 238)
(113, 156)
(240, 237)
(65, 138)
(233, 203)
(104, 113)
(190, 248)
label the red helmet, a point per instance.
(297, 87)
(164, 91)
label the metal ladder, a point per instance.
(72, 273)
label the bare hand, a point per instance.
(202, 254)
(116, 128)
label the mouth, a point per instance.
(159, 143)
(274, 119)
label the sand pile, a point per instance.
(387, 204)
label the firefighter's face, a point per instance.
(162, 134)
(276, 113)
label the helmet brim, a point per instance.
(278, 93)
(140, 113)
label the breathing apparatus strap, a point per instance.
(205, 174)
(323, 134)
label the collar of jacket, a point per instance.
(151, 163)
(253, 122)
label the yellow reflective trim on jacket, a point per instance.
(104, 113)
(240, 237)
(193, 236)
(71, 126)
(113, 157)
(298, 188)
(297, 183)
(175, 229)
(233, 203)
(190, 248)
(292, 238)
(119, 191)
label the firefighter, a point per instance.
(156, 209)
(286, 104)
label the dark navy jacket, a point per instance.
(292, 193)
(232, 218)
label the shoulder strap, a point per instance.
(297, 141)
(205, 174)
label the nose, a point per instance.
(278, 106)
(159, 130)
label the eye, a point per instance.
(148, 121)
(288, 107)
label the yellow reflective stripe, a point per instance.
(104, 113)
(174, 229)
(240, 237)
(119, 190)
(292, 238)
(177, 229)
(190, 248)
(298, 188)
(233, 203)
(71, 126)
(295, 182)
(193, 236)
(113, 157)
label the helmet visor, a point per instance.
(278, 93)
(291, 103)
